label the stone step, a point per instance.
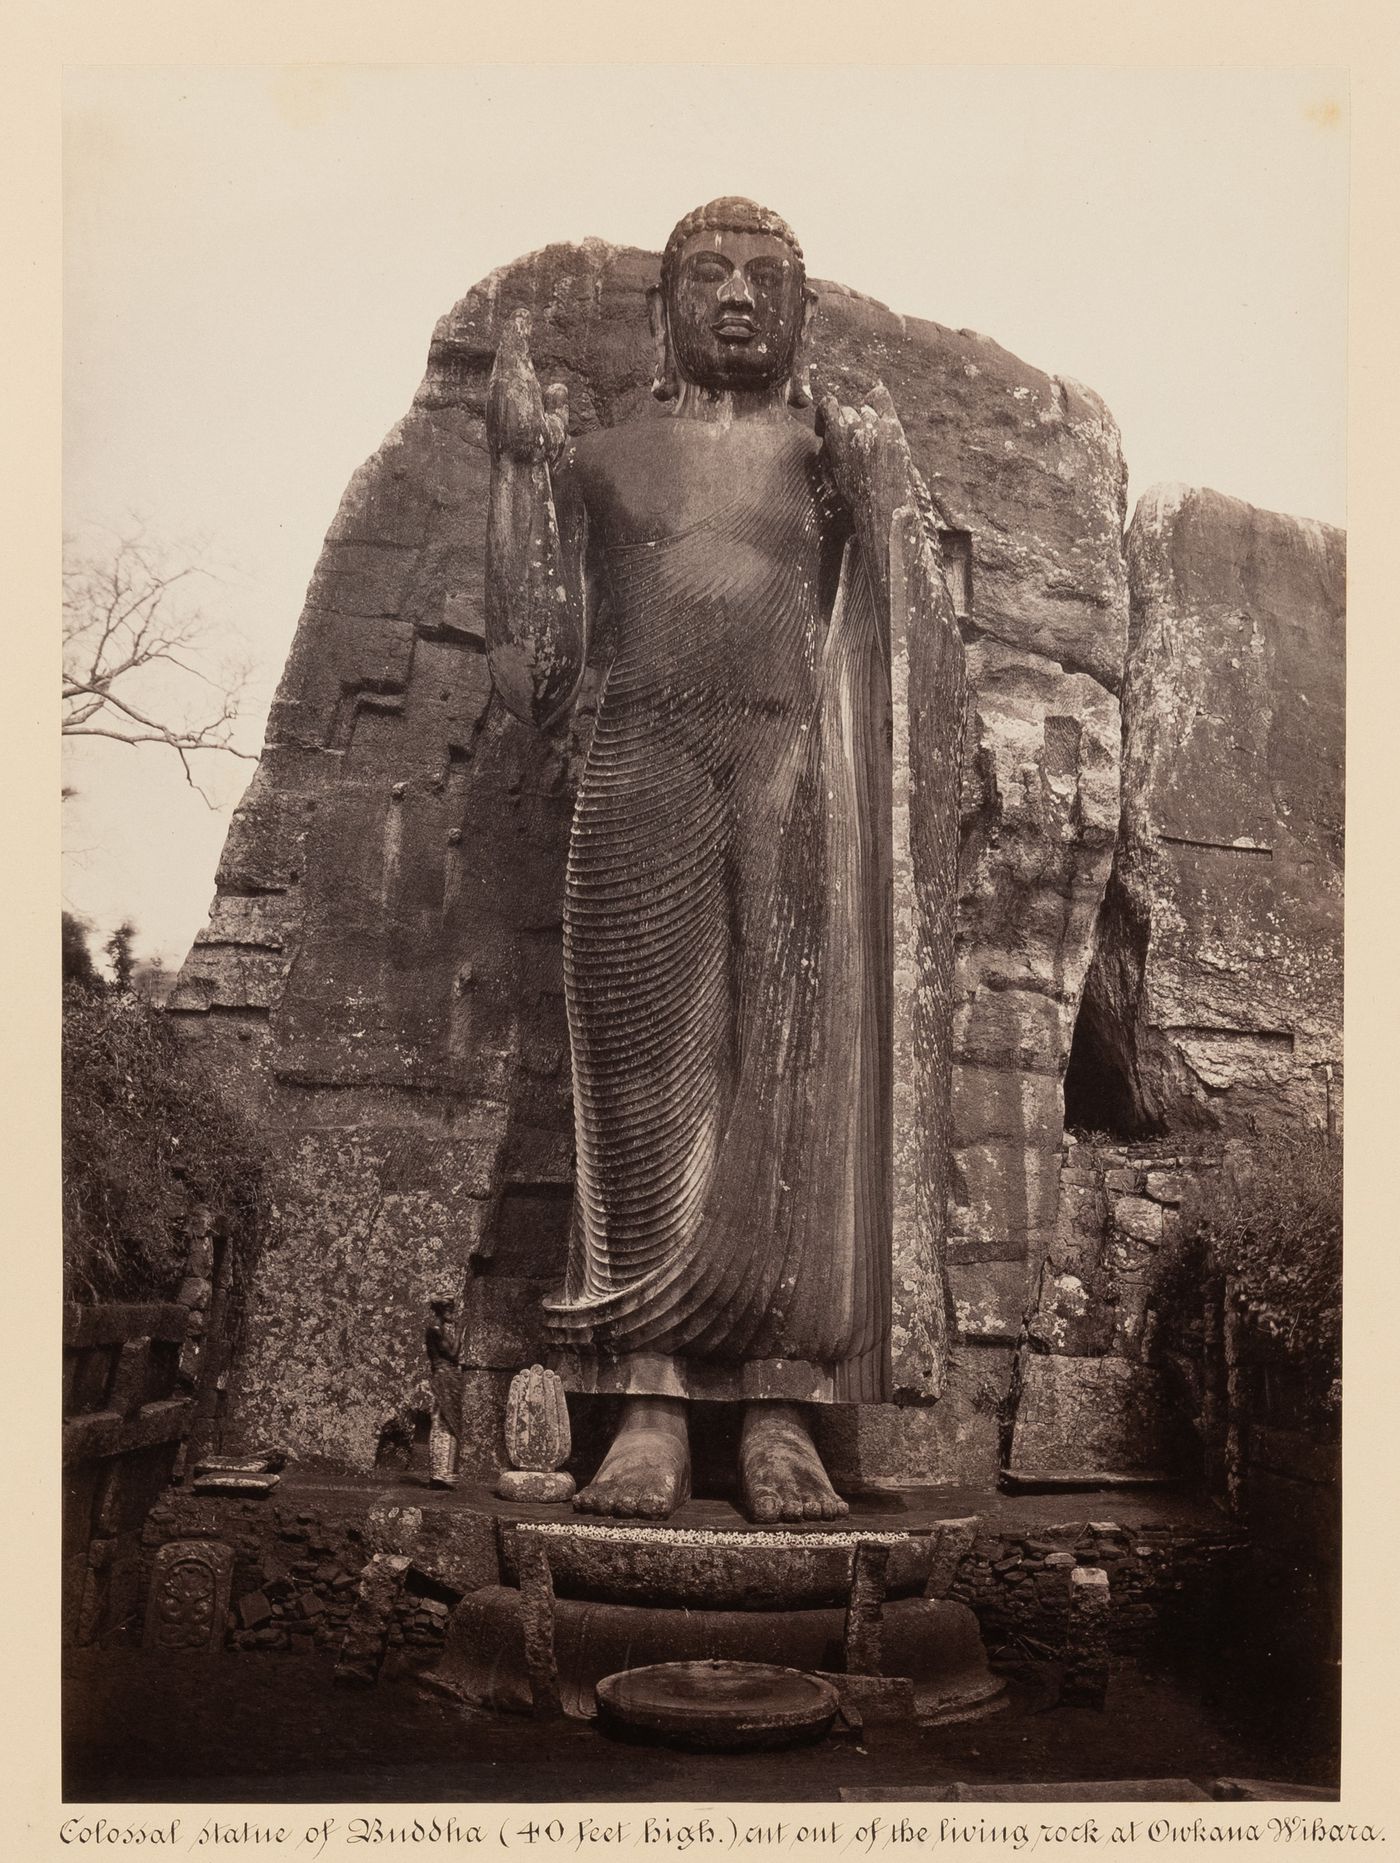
(935, 1642)
(701, 1568)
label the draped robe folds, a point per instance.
(727, 951)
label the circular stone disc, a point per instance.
(717, 1705)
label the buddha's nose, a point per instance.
(735, 289)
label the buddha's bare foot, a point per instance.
(780, 1472)
(646, 1473)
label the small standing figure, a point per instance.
(444, 1342)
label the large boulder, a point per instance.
(1216, 994)
(381, 972)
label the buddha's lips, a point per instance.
(734, 329)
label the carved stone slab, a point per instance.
(537, 1421)
(189, 1595)
(717, 1706)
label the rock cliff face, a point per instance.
(381, 973)
(1214, 1001)
(1216, 994)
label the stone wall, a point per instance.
(1140, 1357)
(1097, 1395)
(142, 1389)
(299, 1565)
(296, 1568)
(1213, 1006)
(380, 976)
(125, 1415)
(1018, 1582)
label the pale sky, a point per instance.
(255, 260)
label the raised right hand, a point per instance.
(521, 423)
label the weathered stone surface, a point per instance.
(535, 1484)
(537, 1625)
(366, 1639)
(1168, 1187)
(1040, 814)
(1216, 998)
(188, 1597)
(112, 1323)
(268, 1462)
(1086, 1674)
(911, 1445)
(1068, 1319)
(865, 1608)
(96, 1433)
(254, 1610)
(109, 1432)
(717, 1706)
(1139, 1218)
(779, 1569)
(502, 1321)
(391, 1529)
(1081, 1417)
(872, 1700)
(1097, 1287)
(226, 1481)
(934, 1641)
(455, 1547)
(484, 1398)
(393, 1009)
(989, 1299)
(1005, 1191)
(537, 1420)
(949, 1543)
(337, 1349)
(928, 693)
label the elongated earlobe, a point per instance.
(799, 384)
(665, 384)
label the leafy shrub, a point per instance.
(146, 1137)
(1273, 1220)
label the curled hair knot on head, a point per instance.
(731, 213)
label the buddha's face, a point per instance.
(735, 309)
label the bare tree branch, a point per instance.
(132, 639)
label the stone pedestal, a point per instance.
(588, 1601)
(485, 1661)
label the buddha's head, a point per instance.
(733, 303)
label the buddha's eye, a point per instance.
(707, 268)
(766, 272)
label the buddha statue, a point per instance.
(727, 911)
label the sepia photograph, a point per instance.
(704, 732)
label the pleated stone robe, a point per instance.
(727, 953)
